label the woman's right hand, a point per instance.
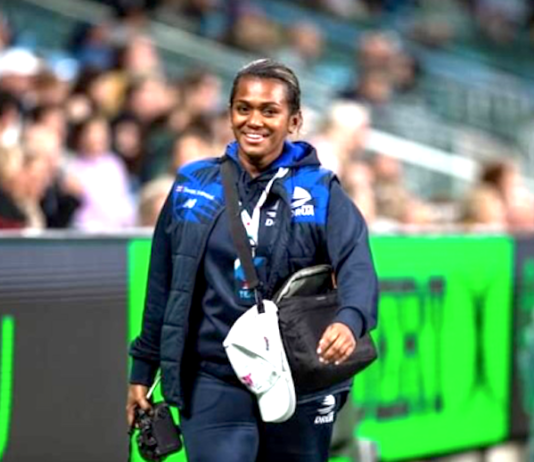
(136, 398)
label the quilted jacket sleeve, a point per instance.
(350, 255)
(145, 349)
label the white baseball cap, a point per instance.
(256, 352)
(19, 61)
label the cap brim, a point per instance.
(278, 404)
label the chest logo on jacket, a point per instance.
(271, 215)
(196, 202)
(194, 192)
(300, 203)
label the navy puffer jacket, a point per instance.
(317, 223)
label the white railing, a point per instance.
(423, 156)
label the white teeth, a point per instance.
(253, 136)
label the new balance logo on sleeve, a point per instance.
(190, 203)
(299, 203)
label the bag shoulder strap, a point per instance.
(239, 234)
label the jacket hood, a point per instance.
(294, 154)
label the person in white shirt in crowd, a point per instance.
(107, 203)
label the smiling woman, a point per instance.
(295, 214)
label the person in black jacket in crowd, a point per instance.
(196, 289)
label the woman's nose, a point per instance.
(255, 119)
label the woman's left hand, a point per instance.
(336, 344)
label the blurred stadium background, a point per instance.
(425, 110)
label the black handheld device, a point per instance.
(158, 435)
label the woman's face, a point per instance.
(261, 118)
(95, 139)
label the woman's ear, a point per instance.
(295, 122)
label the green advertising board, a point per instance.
(139, 256)
(441, 383)
(7, 339)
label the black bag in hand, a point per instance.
(307, 305)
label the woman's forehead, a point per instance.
(265, 89)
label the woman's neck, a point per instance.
(255, 166)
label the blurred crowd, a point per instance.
(96, 148)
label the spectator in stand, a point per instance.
(358, 180)
(376, 50)
(148, 100)
(343, 135)
(437, 23)
(194, 144)
(417, 215)
(198, 13)
(35, 179)
(155, 106)
(53, 117)
(505, 177)
(201, 91)
(10, 119)
(222, 131)
(137, 62)
(395, 204)
(140, 58)
(391, 192)
(405, 73)
(18, 70)
(151, 199)
(483, 209)
(375, 58)
(78, 104)
(149, 103)
(78, 107)
(253, 31)
(91, 46)
(63, 192)
(106, 91)
(12, 216)
(49, 89)
(194, 103)
(373, 88)
(304, 48)
(128, 142)
(501, 22)
(131, 18)
(106, 200)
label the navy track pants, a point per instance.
(224, 425)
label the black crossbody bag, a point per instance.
(307, 305)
